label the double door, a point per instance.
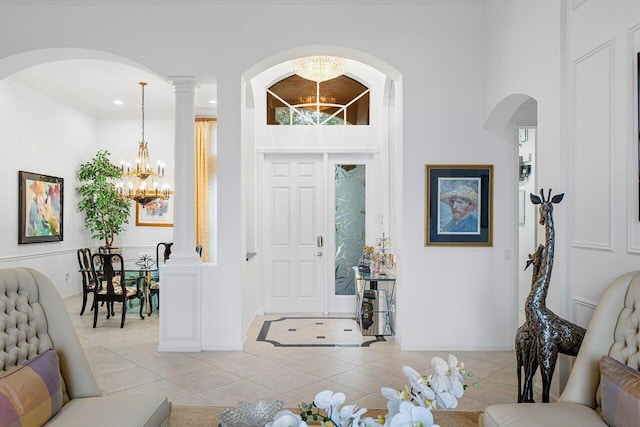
(313, 226)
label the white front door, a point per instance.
(293, 228)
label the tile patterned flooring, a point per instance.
(126, 360)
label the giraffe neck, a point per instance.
(538, 296)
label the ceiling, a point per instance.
(92, 86)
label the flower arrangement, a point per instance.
(410, 406)
(145, 261)
(377, 259)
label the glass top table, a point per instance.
(145, 274)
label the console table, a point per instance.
(375, 302)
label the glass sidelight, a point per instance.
(350, 215)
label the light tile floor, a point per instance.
(126, 360)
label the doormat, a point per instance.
(315, 332)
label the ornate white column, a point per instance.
(184, 227)
(180, 287)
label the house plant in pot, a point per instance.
(105, 211)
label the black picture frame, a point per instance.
(458, 205)
(40, 208)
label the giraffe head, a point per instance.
(546, 205)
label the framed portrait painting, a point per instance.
(158, 213)
(40, 208)
(459, 203)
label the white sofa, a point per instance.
(613, 331)
(33, 319)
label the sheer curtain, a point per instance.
(205, 166)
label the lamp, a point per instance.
(319, 68)
(139, 182)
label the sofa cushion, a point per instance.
(31, 393)
(142, 410)
(620, 390)
(541, 414)
(23, 324)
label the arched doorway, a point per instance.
(331, 150)
(517, 116)
(62, 112)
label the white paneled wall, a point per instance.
(592, 145)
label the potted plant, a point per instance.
(105, 211)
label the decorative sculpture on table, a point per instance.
(544, 334)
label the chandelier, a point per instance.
(139, 182)
(319, 68)
(322, 103)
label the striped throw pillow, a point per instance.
(620, 388)
(31, 393)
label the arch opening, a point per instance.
(379, 142)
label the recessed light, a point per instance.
(118, 102)
(213, 101)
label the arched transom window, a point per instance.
(295, 100)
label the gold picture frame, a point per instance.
(458, 205)
(158, 213)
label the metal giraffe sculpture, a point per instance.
(524, 343)
(550, 334)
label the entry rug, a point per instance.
(315, 332)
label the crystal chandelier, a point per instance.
(319, 68)
(313, 102)
(139, 182)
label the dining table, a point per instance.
(144, 272)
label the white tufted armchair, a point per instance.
(613, 331)
(33, 319)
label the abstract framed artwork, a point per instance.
(458, 205)
(158, 213)
(40, 208)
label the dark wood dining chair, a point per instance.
(110, 286)
(88, 282)
(163, 252)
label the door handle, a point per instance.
(319, 241)
(318, 254)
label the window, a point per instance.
(298, 101)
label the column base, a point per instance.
(180, 301)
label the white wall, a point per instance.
(603, 144)
(527, 232)
(525, 42)
(439, 52)
(39, 135)
(584, 81)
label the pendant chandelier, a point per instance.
(139, 182)
(319, 68)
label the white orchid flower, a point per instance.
(412, 415)
(410, 373)
(394, 398)
(373, 422)
(440, 366)
(350, 415)
(286, 418)
(442, 387)
(420, 385)
(329, 401)
(456, 368)
(457, 387)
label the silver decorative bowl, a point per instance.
(246, 414)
